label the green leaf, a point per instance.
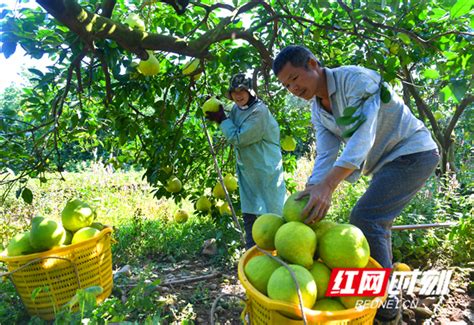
(459, 88)
(349, 110)
(431, 74)
(385, 94)
(461, 7)
(346, 120)
(36, 72)
(27, 195)
(348, 133)
(405, 38)
(8, 48)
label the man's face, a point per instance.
(300, 81)
(240, 97)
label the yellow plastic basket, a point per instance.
(261, 310)
(62, 271)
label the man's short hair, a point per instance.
(297, 55)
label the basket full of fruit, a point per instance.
(51, 261)
(311, 252)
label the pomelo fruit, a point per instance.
(68, 239)
(218, 191)
(296, 243)
(264, 230)
(258, 271)
(181, 216)
(84, 234)
(173, 185)
(203, 204)
(288, 143)
(150, 66)
(46, 234)
(230, 183)
(320, 229)
(281, 285)
(191, 66)
(321, 274)
(344, 246)
(292, 209)
(224, 209)
(134, 21)
(401, 267)
(77, 214)
(97, 225)
(211, 105)
(328, 304)
(20, 245)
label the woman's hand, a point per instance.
(218, 116)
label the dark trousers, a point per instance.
(249, 219)
(389, 191)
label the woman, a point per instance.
(255, 135)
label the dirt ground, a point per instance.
(201, 284)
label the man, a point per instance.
(382, 137)
(255, 135)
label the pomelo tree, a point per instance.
(94, 98)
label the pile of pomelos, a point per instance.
(77, 224)
(311, 251)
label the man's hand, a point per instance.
(218, 116)
(320, 196)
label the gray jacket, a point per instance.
(389, 131)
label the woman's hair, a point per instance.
(297, 55)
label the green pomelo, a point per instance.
(173, 185)
(181, 216)
(150, 66)
(203, 204)
(134, 21)
(97, 225)
(84, 234)
(351, 301)
(224, 209)
(292, 209)
(46, 233)
(288, 143)
(211, 105)
(230, 183)
(264, 230)
(20, 245)
(344, 246)
(321, 274)
(258, 271)
(218, 191)
(191, 66)
(77, 214)
(281, 286)
(320, 229)
(296, 243)
(328, 304)
(68, 239)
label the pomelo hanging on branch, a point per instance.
(191, 66)
(288, 143)
(149, 67)
(134, 21)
